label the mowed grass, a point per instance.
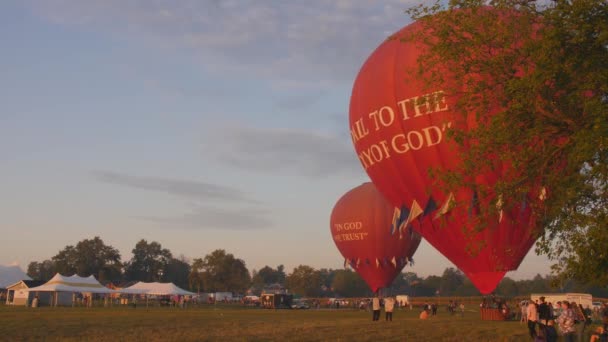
(235, 323)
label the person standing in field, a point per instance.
(524, 312)
(461, 309)
(532, 317)
(389, 305)
(566, 322)
(580, 320)
(376, 308)
(543, 311)
(605, 316)
(550, 331)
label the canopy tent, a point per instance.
(10, 275)
(157, 289)
(60, 283)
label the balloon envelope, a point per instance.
(398, 127)
(362, 228)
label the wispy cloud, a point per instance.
(317, 41)
(239, 215)
(275, 150)
(215, 218)
(184, 188)
(301, 101)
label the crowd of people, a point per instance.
(545, 319)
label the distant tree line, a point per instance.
(222, 271)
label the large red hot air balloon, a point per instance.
(398, 127)
(364, 228)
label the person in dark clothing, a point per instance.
(544, 312)
(605, 316)
(550, 331)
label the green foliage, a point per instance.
(507, 288)
(304, 281)
(148, 262)
(221, 272)
(542, 68)
(177, 271)
(195, 278)
(451, 280)
(347, 283)
(88, 257)
(41, 270)
(267, 275)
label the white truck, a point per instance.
(585, 299)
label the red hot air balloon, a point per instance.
(364, 228)
(398, 127)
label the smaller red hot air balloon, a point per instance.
(365, 228)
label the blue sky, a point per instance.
(197, 124)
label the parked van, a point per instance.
(403, 300)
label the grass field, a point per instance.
(235, 323)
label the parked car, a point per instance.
(299, 304)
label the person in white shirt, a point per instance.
(376, 308)
(532, 314)
(389, 305)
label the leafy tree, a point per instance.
(304, 280)
(429, 286)
(507, 288)
(89, 257)
(466, 289)
(347, 283)
(541, 67)
(177, 271)
(451, 280)
(280, 274)
(326, 277)
(65, 261)
(539, 285)
(148, 262)
(41, 270)
(195, 278)
(411, 278)
(406, 283)
(268, 275)
(221, 271)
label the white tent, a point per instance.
(156, 289)
(60, 283)
(10, 275)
